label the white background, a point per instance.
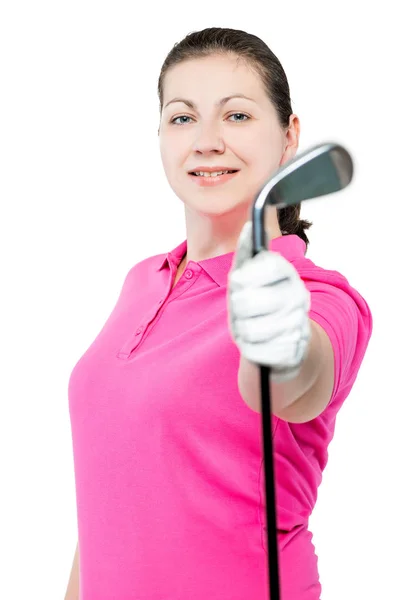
(84, 198)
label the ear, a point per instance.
(292, 137)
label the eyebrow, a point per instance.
(221, 102)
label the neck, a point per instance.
(209, 238)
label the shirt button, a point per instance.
(188, 274)
(138, 331)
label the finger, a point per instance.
(265, 268)
(282, 298)
(265, 328)
(288, 354)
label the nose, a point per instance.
(208, 139)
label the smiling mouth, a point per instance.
(209, 175)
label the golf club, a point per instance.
(321, 170)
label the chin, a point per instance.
(216, 205)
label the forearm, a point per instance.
(72, 592)
(282, 394)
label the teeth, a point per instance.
(213, 174)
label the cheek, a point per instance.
(256, 145)
(172, 152)
(266, 153)
(168, 159)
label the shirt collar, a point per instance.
(290, 247)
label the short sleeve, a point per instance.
(345, 316)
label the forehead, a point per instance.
(212, 76)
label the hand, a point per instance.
(268, 306)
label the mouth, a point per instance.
(206, 174)
(208, 180)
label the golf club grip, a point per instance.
(269, 486)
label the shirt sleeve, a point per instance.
(345, 316)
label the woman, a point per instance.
(165, 404)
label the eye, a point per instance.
(240, 114)
(173, 121)
(181, 117)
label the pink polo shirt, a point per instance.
(167, 455)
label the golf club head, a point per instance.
(321, 170)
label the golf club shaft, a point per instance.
(274, 588)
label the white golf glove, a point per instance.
(268, 306)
